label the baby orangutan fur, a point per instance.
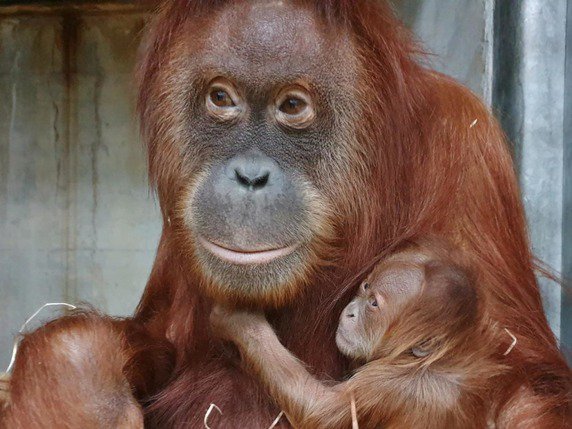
(416, 325)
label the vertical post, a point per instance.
(459, 33)
(70, 33)
(528, 96)
(567, 232)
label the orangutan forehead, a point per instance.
(265, 41)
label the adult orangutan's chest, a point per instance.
(218, 392)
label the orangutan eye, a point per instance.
(366, 286)
(293, 106)
(223, 101)
(373, 302)
(221, 98)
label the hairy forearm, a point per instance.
(305, 400)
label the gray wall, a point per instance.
(529, 96)
(77, 222)
(567, 220)
(457, 35)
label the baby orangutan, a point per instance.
(417, 327)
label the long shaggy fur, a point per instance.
(427, 159)
(434, 162)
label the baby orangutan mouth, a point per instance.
(246, 256)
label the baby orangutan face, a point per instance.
(386, 291)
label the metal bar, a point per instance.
(529, 98)
(567, 213)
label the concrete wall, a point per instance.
(567, 211)
(77, 222)
(457, 35)
(529, 96)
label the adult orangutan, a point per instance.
(290, 142)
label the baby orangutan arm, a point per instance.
(383, 393)
(413, 321)
(306, 401)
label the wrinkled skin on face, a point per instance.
(266, 138)
(389, 288)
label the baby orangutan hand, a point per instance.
(236, 325)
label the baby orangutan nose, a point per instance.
(350, 311)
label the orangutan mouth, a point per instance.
(246, 257)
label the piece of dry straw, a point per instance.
(355, 424)
(208, 415)
(25, 325)
(277, 420)
(214, 407)
(513, 344)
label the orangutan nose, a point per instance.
(253, 171)
(253, 181)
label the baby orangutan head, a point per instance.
(418, 294)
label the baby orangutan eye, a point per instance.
(366, 286)
(420, 352)
(373, 302)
